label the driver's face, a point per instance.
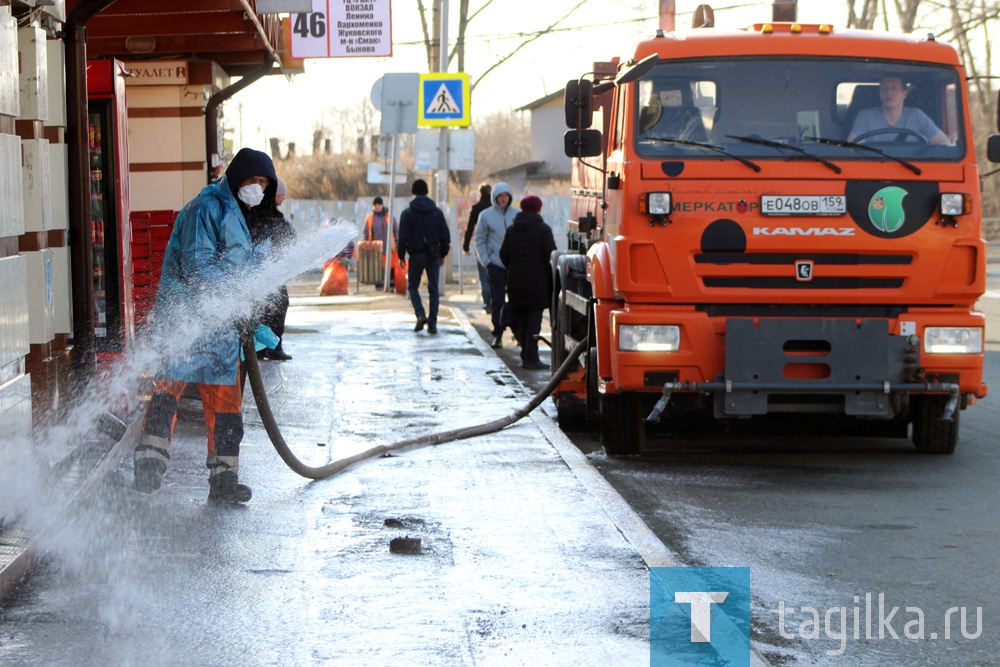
(892, 92)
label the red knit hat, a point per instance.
(531, 204)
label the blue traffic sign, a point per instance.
(444, 100)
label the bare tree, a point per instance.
(545, 31)
(866, 19)
(432, 35)
(906, 12)
(322, 176)
(353, 125)
(503, 139)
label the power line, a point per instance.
(522, 35)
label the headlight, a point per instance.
(655, 203)
(639, 338)
(953, 340)
(952, 204)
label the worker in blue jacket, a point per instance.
(209, 248)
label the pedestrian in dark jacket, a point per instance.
(525, 252)
(270, 231)
(424, 236)
(485, 201)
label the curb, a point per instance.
(635, 531)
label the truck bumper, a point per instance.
(745, 363)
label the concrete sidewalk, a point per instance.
(528, 555)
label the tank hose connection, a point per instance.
(322, 472)
(661, 405)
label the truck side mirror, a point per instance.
(579, 104)
(993, 148)
(582, 143)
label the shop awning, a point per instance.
(228, 32)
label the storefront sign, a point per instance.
(156, 73)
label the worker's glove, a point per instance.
(263, 337)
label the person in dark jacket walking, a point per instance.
(424, 236)
(525, 252)
(485, 201)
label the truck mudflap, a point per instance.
(792, 360)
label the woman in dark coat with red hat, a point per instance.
(525, 252)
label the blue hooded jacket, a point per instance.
(210, 246)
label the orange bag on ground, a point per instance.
(398, 275)
(335, 278)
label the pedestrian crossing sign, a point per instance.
(443, 100)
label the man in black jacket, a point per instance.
(424, 236)
(485, 201)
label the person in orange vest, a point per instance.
(377, 229)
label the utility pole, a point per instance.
(442, 191)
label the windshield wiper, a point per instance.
(871, 149)
(781, 146)
(711, 147)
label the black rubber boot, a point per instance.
(148, 474)
(278, 354)
(226, 488)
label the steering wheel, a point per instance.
(891, 130)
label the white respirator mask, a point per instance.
(251, 195)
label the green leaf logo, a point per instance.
(885, 210)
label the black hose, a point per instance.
(322, 472)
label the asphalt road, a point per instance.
(828, 525)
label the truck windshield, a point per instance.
(787, 108)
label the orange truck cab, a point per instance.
(774, 223)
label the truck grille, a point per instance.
(790, 282)
(779, 282)
(784, 258)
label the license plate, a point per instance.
(803, 205)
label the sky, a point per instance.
(597, 30)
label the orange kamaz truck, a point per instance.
(773, 224)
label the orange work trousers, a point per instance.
(222, 405)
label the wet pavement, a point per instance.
(527, 555)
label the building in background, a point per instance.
(150, 140)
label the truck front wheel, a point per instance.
(622, 427)
(931, 435)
